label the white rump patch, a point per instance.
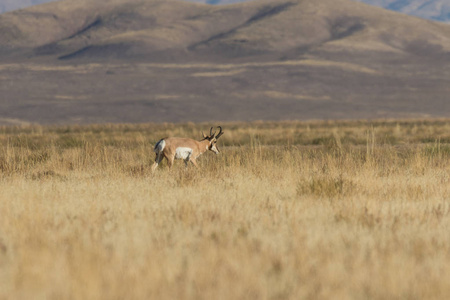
(183, 153)
(159, 147)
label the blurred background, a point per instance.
(133, 61)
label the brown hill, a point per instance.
(136, 61)
(154, 30)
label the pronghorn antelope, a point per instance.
(183, 148)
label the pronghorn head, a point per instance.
(212, 138)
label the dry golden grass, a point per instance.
(319, 210)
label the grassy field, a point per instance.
(290, 210)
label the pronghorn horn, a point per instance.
(220, 132)
(211, 134)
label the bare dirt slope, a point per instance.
(140, 61)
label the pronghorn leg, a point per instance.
(170, 161)
(194, 162)
(158, 159)
(188, 159)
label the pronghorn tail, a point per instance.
(159, 147)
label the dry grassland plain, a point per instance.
(288, 210)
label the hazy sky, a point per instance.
(8, 5)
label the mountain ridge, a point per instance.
(171, 61)
(132, 30)
(437, 10)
